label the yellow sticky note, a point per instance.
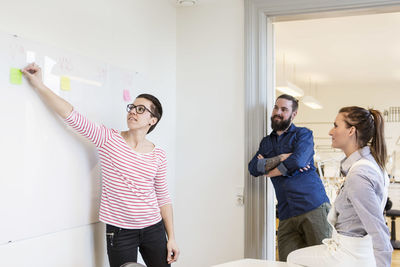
(15, 76)
(65, 83)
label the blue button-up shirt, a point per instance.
(297, 192)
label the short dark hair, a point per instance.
(156, 108)
(295, 102)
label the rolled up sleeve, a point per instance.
(282, 168)
(255, 165)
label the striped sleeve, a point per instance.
(160, 182)
(97, 134)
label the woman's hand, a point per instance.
(33, 74)
(173, 251)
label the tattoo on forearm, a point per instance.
(272, 163)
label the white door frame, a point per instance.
(259, 100)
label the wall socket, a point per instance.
(239, 196)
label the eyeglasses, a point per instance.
(140, 109)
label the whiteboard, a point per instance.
(50, 177)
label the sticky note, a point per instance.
(65, 83)
(126, 95)
(15, 76)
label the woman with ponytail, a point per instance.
(360, 236)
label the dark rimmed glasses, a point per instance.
(140, 109)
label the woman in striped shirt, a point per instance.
(135, 203)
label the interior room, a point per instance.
(335, 62)
(201, 58)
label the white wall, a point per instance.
(334, 97)
(210, 132)
(196, 55)
(133, 34)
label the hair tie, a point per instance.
(370, 114)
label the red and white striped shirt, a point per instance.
(134, 184)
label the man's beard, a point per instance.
(280, 125)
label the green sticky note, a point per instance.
(65, 83)
(15, 76)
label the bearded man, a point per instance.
(286, 157)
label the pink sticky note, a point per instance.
(126, 95)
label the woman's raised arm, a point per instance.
(33, 73)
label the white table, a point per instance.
(253, 263)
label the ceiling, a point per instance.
(353, 50)
(335, 59)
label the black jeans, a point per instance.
(122, 245)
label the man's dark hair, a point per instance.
(295, 102)
(156, 108)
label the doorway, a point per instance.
(262, 66)
(336, 62)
